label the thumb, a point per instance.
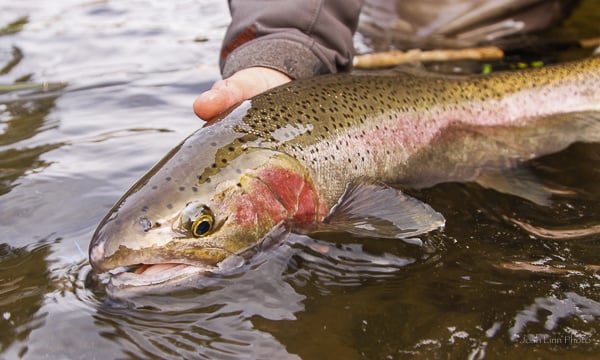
(241, 86)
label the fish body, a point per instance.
(319, 152)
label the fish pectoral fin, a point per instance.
(517, 181)
(371, 208)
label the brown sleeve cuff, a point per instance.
(288, 55)
(298, 38)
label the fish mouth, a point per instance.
(150, 278)
(166, 276)
(129, 273)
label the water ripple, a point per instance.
(557, 310)
(328, 264)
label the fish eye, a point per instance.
(202, 225)
(196, 220)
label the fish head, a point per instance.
(188, 216)
(199, 231)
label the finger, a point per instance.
(237, 88)
(218, 99)
(208, 104)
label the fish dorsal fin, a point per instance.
(371, 208)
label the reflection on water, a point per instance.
(504, 278)
(241, 314)
(215, 320)
(22, 289)
(572, 308)
(21, 120)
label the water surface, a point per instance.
(105, 90)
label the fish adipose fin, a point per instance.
(370, 208)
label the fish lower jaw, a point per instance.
(147, 276)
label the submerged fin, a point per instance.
(517, 181)
(553, 134)
(373, 209)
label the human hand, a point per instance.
(240, 86)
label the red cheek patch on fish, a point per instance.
(309, 208)
(258, 204)
(294, 191)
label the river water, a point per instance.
(106, 90)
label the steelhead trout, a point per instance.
(319, 154)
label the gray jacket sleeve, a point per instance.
(300, 38)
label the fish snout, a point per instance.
(96, 251)
(116, 239)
